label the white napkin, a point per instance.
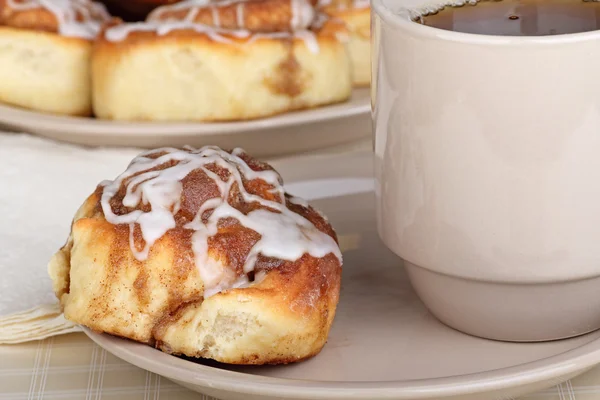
(42, 183)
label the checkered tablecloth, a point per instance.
(73, 367)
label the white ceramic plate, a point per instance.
(384, 344)
(288, 133)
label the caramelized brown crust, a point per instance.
(297, 295)
(326, 35)
(255, 16)
(284, 316)
(40, 18)
(34, 19)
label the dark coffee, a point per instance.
(518, 17)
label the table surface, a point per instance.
(74, 367)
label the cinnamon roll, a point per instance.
(356, 15)
(201, 252)
(45, 53)
(199, 60)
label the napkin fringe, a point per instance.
(37, 323)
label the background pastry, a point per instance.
(201, 252)
(45, 62)
(356, 14)
(231, 60)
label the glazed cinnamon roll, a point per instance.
(45, 62)
(219, 61)
(356, 15)
(201, 252)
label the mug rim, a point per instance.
(404, 22)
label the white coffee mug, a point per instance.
(488, 174)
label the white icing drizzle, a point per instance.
(93, 15)
(310, 40)
(302, 11)
(120, 32)
(191, 15)
(215, 17)
(284, 234)
(298, 201)
(303, 15)
(341, 5)
(239, 15)
(361, 4)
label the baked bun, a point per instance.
(202, 253)
(356, 15)
(228, 60)
(45, 57)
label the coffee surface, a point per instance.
(518, 17)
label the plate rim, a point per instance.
(19, 117)
(566, 363)
(561, 364)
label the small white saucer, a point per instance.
(384, 343)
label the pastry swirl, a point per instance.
(251, 15)
(201, 252)
(230, 21)
(74, 18)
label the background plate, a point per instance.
(294, 132)
(384, 344)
